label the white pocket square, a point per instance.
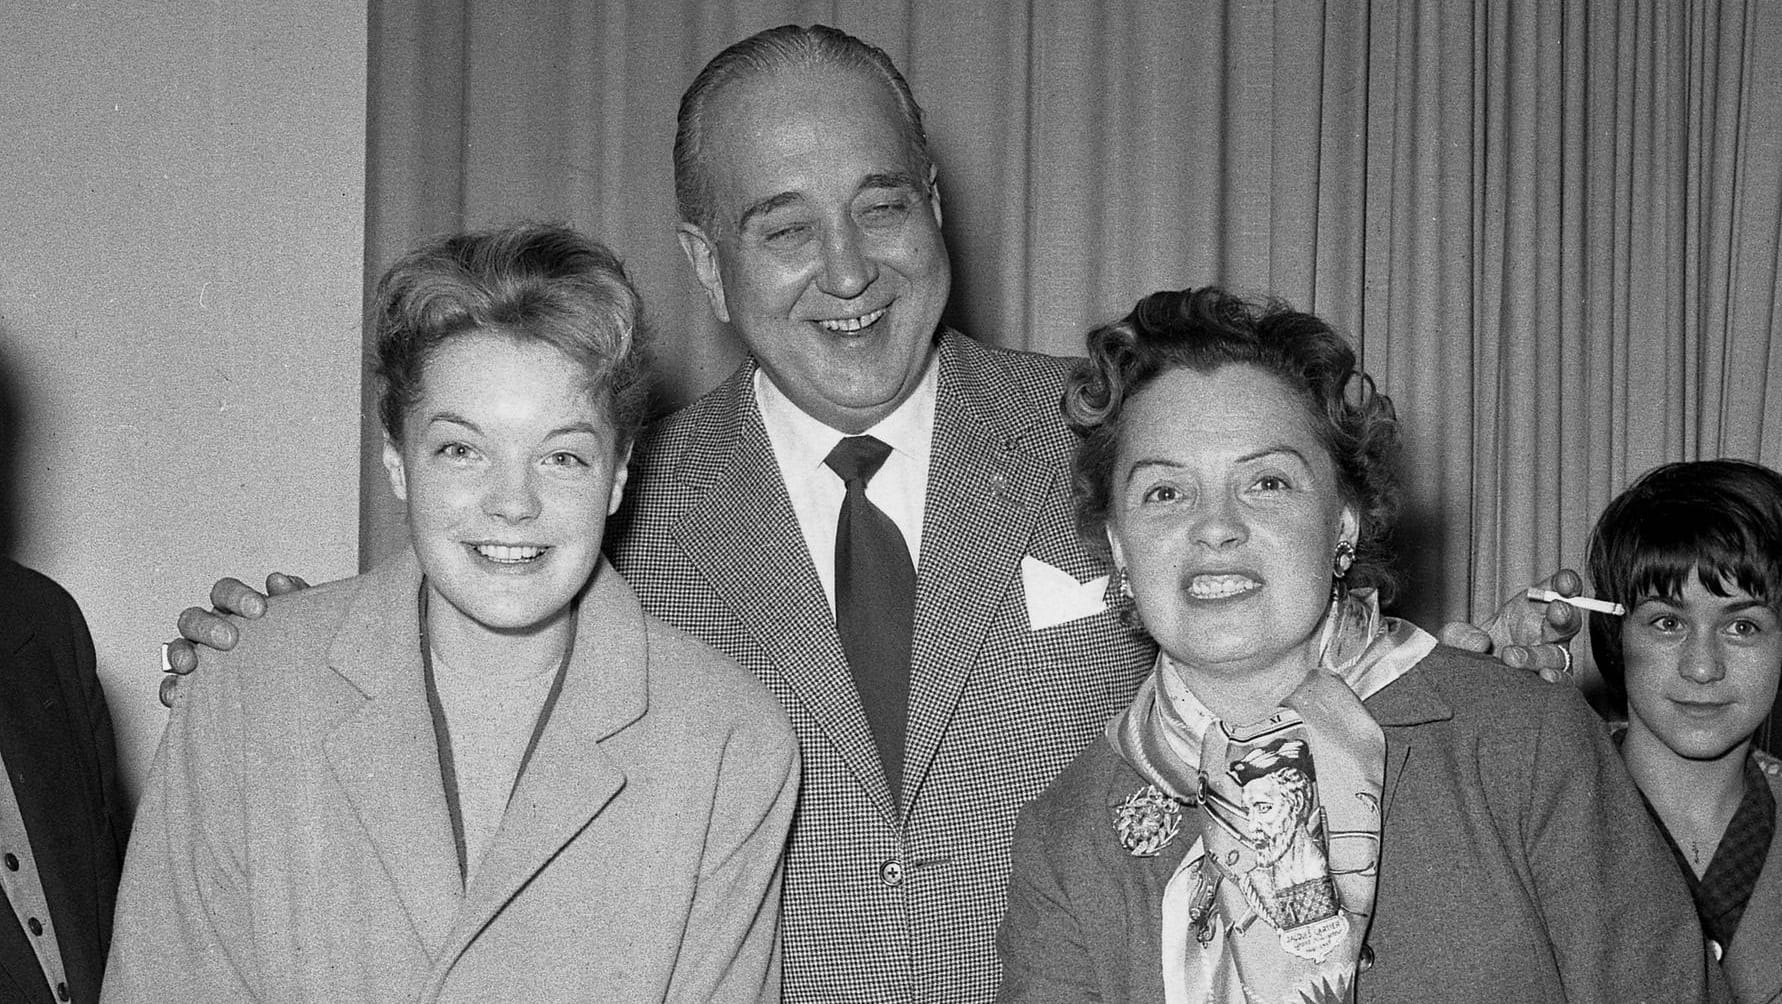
(1055, 597)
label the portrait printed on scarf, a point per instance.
(1269, 838)
(1289, 882)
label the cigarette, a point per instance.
(1581, 602)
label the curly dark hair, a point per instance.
(1205, 330)
(533, 282)
(1720, 519)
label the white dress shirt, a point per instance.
(899, 489)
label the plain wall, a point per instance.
(181, 254)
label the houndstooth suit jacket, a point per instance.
(883, 906)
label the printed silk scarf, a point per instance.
(1272, 901)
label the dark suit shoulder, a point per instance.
(26, 595)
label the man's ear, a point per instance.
(934, 198)
(621, 474)
(393, 464)
(702, 254)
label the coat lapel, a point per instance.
(384, 755)
(986, 489)
(744, 537)
(1402, 705)
(570, 778)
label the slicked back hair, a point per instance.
(788, 47)
(1718, 519)
(534, 283)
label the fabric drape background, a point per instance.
(1551, 228)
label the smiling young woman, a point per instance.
(1694, 551)
(447, 777)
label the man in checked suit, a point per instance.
(811, 218)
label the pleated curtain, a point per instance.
(1551, 228)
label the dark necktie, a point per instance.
(875, 602)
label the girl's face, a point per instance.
(1701, 669)
(510, 467)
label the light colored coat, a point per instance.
(885, 902)
(294, 843)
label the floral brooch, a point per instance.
(1147, 821)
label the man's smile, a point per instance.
(852, 324)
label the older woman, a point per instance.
(479, 771)
(1309, 801)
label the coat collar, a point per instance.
(386, 760)
(1407, 702)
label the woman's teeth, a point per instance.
(854, 323)
(1218, 587)
(507, 554)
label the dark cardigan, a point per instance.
(1516, 863)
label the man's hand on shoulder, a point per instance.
(1528, 634)
(211, 628)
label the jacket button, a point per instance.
(12, 862)
(61, 991)
(35, 925)
(1366, 961)
(891, 873)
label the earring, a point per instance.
(1343, 560)
(1128, 609)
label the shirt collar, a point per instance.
(802, 442)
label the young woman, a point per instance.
(478, 771)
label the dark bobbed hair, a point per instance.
(1205, 330)
(1721, 519)
(787, 47)
(532, 282)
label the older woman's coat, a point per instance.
(294, 842)
(1516, 864)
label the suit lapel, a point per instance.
(986, 489)
(745, 539)
(570, 778)
(384, 756)
(1400, 707)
